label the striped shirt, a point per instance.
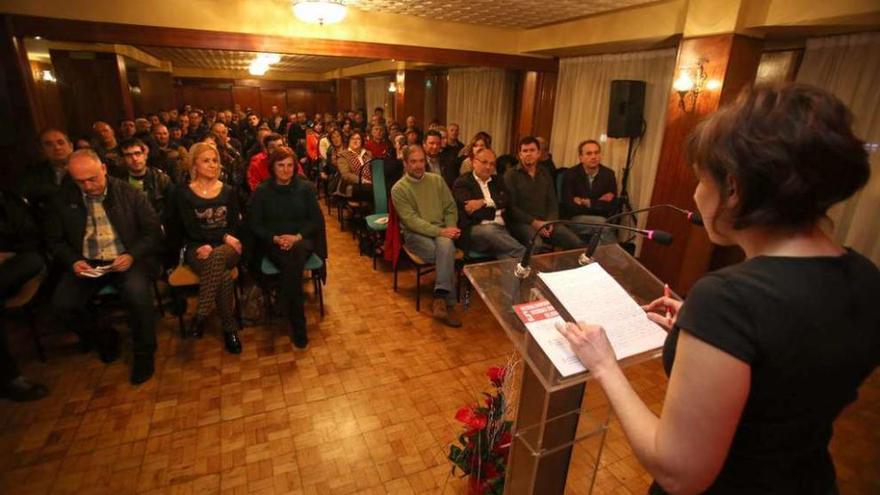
(100, 241)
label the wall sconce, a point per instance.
(392, 87)
(692, 82)
(47, 76)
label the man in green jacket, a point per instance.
(429, 217)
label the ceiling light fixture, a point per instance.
(319, 11)
(258, 68)
(269, 58)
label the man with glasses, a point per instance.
(482, 200)
(156, 184)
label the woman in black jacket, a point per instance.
(286, 219)
(208, 211)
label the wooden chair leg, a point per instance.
(418, 288)
(158, 298)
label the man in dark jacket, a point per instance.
(481, 198)
(156, 184)
(589, 191)
(40, 182)
(103, 231)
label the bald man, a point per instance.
(104, 232)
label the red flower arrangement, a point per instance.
(485, 443)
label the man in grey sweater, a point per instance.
(429, 217)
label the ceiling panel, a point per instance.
(237, 60)
(507, 13)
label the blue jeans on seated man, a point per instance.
(494, 239)
(441, 252)
(73, 294)
(609, 236)
(560, 237)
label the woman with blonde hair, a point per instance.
(208, 211)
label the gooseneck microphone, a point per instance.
(692, 216)
(523, 269)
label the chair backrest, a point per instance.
(380, 194)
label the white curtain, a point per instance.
(581, 112)
(482, 100)
(849, 67)
(377, 94)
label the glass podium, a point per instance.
(549, 421)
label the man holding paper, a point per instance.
(104, 231)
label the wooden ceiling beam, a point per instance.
(105, 32)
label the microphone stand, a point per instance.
(594, 242)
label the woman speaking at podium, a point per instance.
(763, 355)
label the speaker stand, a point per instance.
(623, 204)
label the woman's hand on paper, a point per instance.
(590, 344)
(663, 311)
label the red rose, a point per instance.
(497, 374)
(474, 421)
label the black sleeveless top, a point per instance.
(809, 328)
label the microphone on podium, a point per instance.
(692, 216)
(523, 269)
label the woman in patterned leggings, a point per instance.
(209, 212)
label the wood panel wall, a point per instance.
(91, 89)
(343, 94)
(259, 95)
(734, 60)
(157, 90)
(48, 110)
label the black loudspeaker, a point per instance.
(626, 108)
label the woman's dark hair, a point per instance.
(487, 139)
(278, 154)
(791, 150)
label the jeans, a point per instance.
(494, 239)
(561, 236)
(73, 294)
(440, 251)
(609, 236)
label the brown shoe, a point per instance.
(438, 309)
(452, 317)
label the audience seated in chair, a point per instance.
(287, 222)
(19, 262)
(481, 140)
(354, 170)
(96, 223)
(482, 199)
(258, 170)
(208, 211)
(39, 182)
(429, 217)
(156, 184)
(533, 202)
(589, 192)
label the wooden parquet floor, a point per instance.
(368, 408)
